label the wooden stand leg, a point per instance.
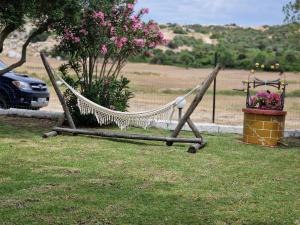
(195, 147)
(194, 128)
(195, 102)
(58, 92)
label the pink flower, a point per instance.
(160, 35)
(139, 43)
(83, 31)
(146, 31)
(153, 27)
(152, 44)
(99, 14)
(262, 94)
(268, 100)
(123, 40)
(130, 7)
(120, 42)
(103, 50)
(136, 23)
(145, 11)
(68, 35)
(76, 40)
(276, 97)
(112, 31)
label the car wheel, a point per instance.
(3, 103)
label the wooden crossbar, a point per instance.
(108, 134)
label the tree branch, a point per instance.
(38, 31)
(4, 34)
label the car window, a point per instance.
(2, 65)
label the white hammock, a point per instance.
(107, 116)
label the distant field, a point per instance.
(155, 85)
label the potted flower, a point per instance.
(266, 100)
(264, 117)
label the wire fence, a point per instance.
(154, 86)
(229, 103)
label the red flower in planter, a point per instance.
(266, 100)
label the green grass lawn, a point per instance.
(83, 180)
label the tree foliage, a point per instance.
(108, 33)
(43, 14)
(97, 49)
(292, 12)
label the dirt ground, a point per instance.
(155, 85)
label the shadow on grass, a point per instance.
(292, 143)
(26, 127)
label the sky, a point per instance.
(216, 12)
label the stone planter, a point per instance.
(263, 127)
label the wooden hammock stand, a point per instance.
(197, 142)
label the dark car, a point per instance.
(22, 91)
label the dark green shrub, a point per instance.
(214, 36)
(109, 92)
(179, 30)
(181, 40)
(172, 45)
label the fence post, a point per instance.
(214, 91)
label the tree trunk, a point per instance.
(38, 31)
(4, 34)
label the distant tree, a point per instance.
(226, 56)
(43, 14)
(172, 45)
(292, 11)
(186, 58)
(179, 30)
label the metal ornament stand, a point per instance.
(279, 84)
(197, 142)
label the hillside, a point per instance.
(195, 45)
(238, 47)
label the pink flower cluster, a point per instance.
(98, 15)
(136, 23)
(114, 31)
(130, 7)
(266, 100)
(120, 42)
(144, 11)
(83, 31)
(103, 50)
(68, 35)
(139, 43)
